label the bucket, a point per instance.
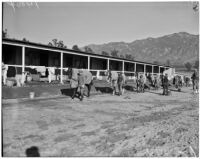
(32, 95)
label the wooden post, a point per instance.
(61, 67)
(152, 69)
(88, 63)
(23, 59)
(108, 64)
(135, 68)
(145, 68)
(123, 66)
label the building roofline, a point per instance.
(74, 51)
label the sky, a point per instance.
(97, 23)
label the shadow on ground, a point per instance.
(67, 92)
(104, 89)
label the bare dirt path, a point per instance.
(147, 124)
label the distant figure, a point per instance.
(178, 82)
(4, 72)
(32, 152)
(156, 82)
(112, 77)
(120, 83)
(165, 84)
(141, 82)
(195, 81)
(187, 81)
(81, 83)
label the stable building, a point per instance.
(21, 56)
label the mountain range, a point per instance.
(174, 49)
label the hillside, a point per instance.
(178, 48)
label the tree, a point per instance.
(57, 43)
(114, 53)
(75, 47)
(88, 49)
(24, 39)
(121, 56)
(105, 53)
(196, 64)
(188, 66)
(195, 6)
(5, 33)
(156, 62)
(129, 57)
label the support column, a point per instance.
(23, 59)
(135, 68)
(61, 67)
(152, 69)
(108, 64)
(88, 63)
(145, 68)
(123, 66)
(159, 71)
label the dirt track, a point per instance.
(134, 124)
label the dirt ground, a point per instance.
(135, 124)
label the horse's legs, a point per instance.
(120, 88)
(142, 88)
(89, 88)
(81, 93)
(74, 92)
(137, 88)
(114, 90)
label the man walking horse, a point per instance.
(78, 80)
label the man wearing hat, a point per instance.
(81, 83)
(165, 84)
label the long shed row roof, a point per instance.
(53, 48)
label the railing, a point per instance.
(98, 74)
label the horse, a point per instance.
(177, 82)
(186, 81)
(112, 77)
(156, 82)
(140, 84)
(73, 76)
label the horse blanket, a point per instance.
(74, 77)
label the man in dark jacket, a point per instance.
(195, 81)
(165, 84)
